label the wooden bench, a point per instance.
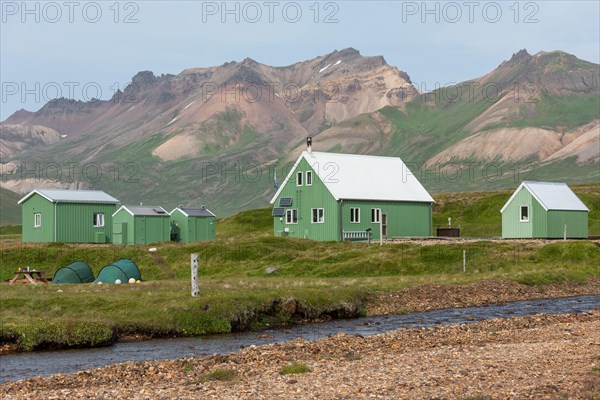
(29, 276)
(356, 235)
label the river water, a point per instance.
(26, 365)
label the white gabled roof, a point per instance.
(551, 196)
(144, 210)
(194, 211)
(360, 177)
(72, 196)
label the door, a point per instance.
(384, 225)
(120, 233)
(143, 230)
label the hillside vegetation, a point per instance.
(10, 212)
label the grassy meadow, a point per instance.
(312, 280)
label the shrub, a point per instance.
(294, 368)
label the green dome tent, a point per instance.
(77, 272)
(122, 269)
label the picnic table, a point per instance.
(29, 276)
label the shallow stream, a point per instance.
(26, 365)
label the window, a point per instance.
(375, 215)
(299, 178)
(98, 219)
(318, 215)
(37, 220)
(354, 215)
(291, 216)
(308, 178)
(524, 213)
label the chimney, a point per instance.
(309, 144)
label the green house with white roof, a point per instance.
(335, 197)
(544, 210)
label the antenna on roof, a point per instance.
(309, 144)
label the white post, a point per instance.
(380, 228)
(194, 264)
(565, 233)
(464, 261)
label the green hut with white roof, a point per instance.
(71, 216)
(141, 225)
(544, 210)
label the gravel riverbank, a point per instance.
(540, 357)
(436, 297)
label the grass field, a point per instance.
(323, 278)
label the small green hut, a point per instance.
(72, 216)
(544, 210)
(140, 225)
(189, 224)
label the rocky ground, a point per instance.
(534, 357)
(435, 297)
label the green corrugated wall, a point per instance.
(576, 221)
(304, 198)
(32, 205)
(123, 217)
(151, 229)
(403, 218)
(75, 222)
(182, 222)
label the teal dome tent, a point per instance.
(122, 269)
(77, 272)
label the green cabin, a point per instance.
(335, 197)
(70, 216)
(189, 224)
(544, 210)
(141, 225)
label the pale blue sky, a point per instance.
(171, 36)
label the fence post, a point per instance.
(194, 265)
(464, 261)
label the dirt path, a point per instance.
(540, 357)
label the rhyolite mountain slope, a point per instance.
(215, 135)
(206, 135)
(533, 117)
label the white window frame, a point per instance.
(289, 216)
(309, 178)
(378, 214)
(37, 220)
(521, 213)
(320, 215)
(299, 176)
(95, 220)
(355, 215)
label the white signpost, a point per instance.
(194, 264)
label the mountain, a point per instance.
(202, 135)
(537, 114)
(216, 135)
